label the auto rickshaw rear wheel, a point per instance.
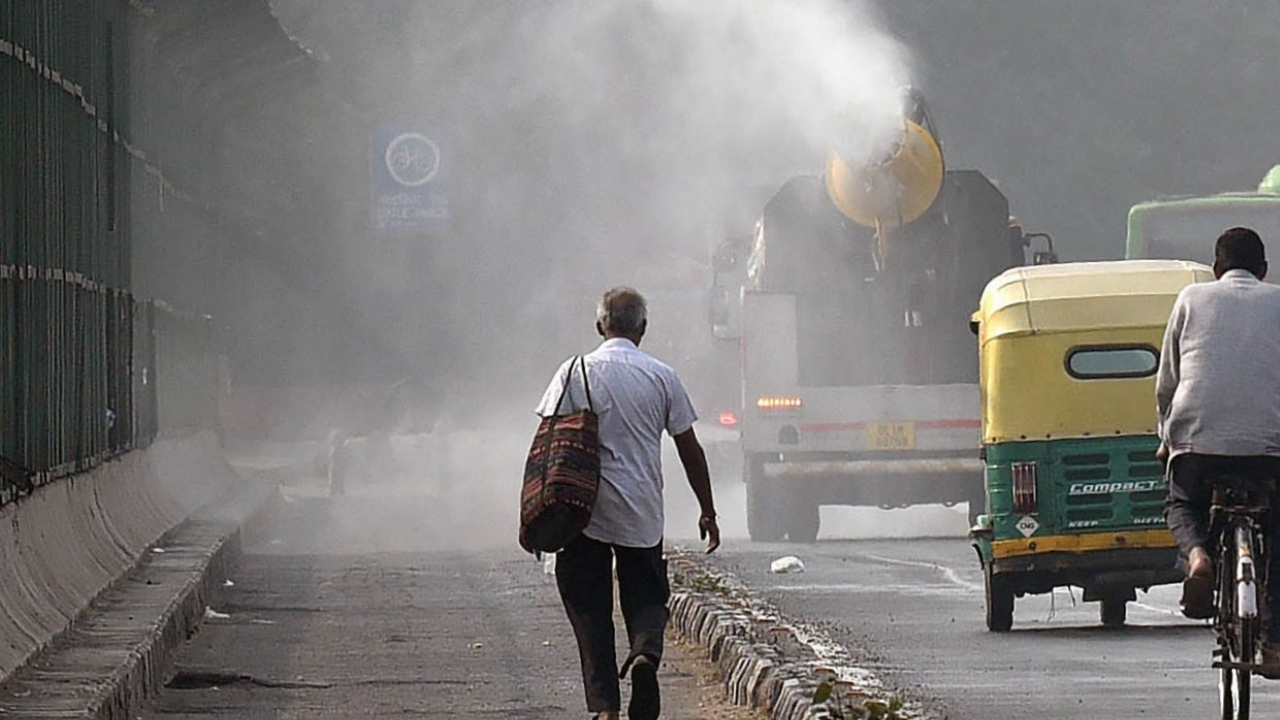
(999, 601)
(1112, 611)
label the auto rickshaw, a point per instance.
(1074, 493)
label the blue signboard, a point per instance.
(408, 181)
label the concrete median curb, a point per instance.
(198, 554)
(766, 661)
(110, 572)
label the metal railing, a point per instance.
(97, 373)
(87, 371)
(64, 251)
(102, 104)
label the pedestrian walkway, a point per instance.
(316, 625)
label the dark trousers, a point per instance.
(584, 574)
(1191, 477)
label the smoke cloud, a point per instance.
(586, 144)
(587, 141)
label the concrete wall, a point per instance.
(63, 545)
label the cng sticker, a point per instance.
(1027, 526)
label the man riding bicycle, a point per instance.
(1218, 402)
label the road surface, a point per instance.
(912, 609)
(380, 592)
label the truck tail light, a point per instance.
(779, 403)
(728, 419)
(1024, 487)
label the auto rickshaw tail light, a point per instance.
(1024, 487)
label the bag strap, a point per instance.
(564, 388)
(581, 362)
(586, 386)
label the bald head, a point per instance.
(622, 313)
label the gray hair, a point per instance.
(622, 311)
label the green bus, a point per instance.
(1183, 228)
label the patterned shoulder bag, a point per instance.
(561, 474)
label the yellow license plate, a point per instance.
(891, 435)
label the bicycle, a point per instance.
(1238, 519)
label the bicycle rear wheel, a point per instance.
(1234, 684)
(1227, 687)
(1236, 637)
(1245, 677)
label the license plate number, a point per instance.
(891, 435)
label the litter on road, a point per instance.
(788, 564)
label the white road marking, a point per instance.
(951, 574)
(858, 588)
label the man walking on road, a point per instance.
(636, 397)
(1218, 403)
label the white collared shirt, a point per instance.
(636, 397)
(1218, 388)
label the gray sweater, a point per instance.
(1218, 389)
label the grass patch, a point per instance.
(856, 707)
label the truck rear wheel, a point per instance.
(977, 505)
(803, 520)
(999, 601)
(764, 516)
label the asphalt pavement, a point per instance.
(391, 604)
(911, 610)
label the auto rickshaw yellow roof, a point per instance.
(1077, 296)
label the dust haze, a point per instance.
(584, 145)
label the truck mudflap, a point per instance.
(915, 466)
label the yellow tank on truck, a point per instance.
(893, 191)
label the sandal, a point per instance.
(1197, 597)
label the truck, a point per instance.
(850, 305)
(1184, 227)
